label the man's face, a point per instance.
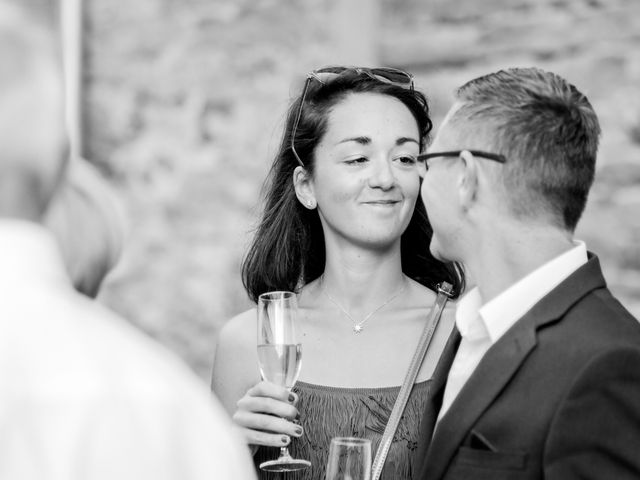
(439, 193)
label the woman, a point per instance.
(344, 228)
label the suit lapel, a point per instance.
(489, 378)
(499, 365)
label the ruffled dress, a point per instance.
(327, 412)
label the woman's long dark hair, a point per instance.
(288, 249)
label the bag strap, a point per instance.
(444, 293)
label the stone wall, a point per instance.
(185, 101)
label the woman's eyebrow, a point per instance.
(362, 140)
(403, 140)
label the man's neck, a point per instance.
(504, 257)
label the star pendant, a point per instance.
(357, 328)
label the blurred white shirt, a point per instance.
(86, 396)
(481, 326)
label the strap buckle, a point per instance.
(445, 288)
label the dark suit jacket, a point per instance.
(557, 397)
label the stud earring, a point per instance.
(310, 204)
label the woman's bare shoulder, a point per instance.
(235, 365)
(420, 296)
(239, 331)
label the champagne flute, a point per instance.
(349, 459)
(279, 358)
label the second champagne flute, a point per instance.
(279, 358)
(349, 459)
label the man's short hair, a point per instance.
(548, 131)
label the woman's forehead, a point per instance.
(360, 114)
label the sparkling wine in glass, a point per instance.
(279, 358)
(349, 459)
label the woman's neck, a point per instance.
(359, 278)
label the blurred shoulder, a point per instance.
(118, 359)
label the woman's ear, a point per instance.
(468, 180)
(303, 184)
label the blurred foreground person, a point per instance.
(546, 381)
(88, 221)
(83, 395)
(344, 229)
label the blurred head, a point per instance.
(351, 177)
(88, 222)
(33, 144)
(548, 133)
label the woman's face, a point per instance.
(366, 179)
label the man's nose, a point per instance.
(422, 168)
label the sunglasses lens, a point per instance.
(391, 75)
(336, 70)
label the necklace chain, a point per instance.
(358, 326)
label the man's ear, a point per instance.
(468, 180)
(303, 184)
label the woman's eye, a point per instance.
(355, 161)
(407, 159)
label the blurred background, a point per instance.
(180, 103)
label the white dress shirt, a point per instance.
(86, 396)
(481, 326)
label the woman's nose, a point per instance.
(382, 175)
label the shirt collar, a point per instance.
(503, 311)
(468, 321)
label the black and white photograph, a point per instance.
(320, 240)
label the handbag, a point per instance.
(445, 291)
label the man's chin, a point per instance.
(439, 253)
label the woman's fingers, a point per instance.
(267, 405)
(253, 437)
(266, 423)
(268, 389)
(266, 414)
(264, 429)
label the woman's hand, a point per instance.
(266, 415)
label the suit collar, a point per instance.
(584, 280)
(503, 311)
(500, 364)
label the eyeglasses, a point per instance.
(392, 76)
(456, 153)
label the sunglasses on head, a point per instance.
(323, 75)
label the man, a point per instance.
(545, 383)
(84, 197)
(83, 395)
